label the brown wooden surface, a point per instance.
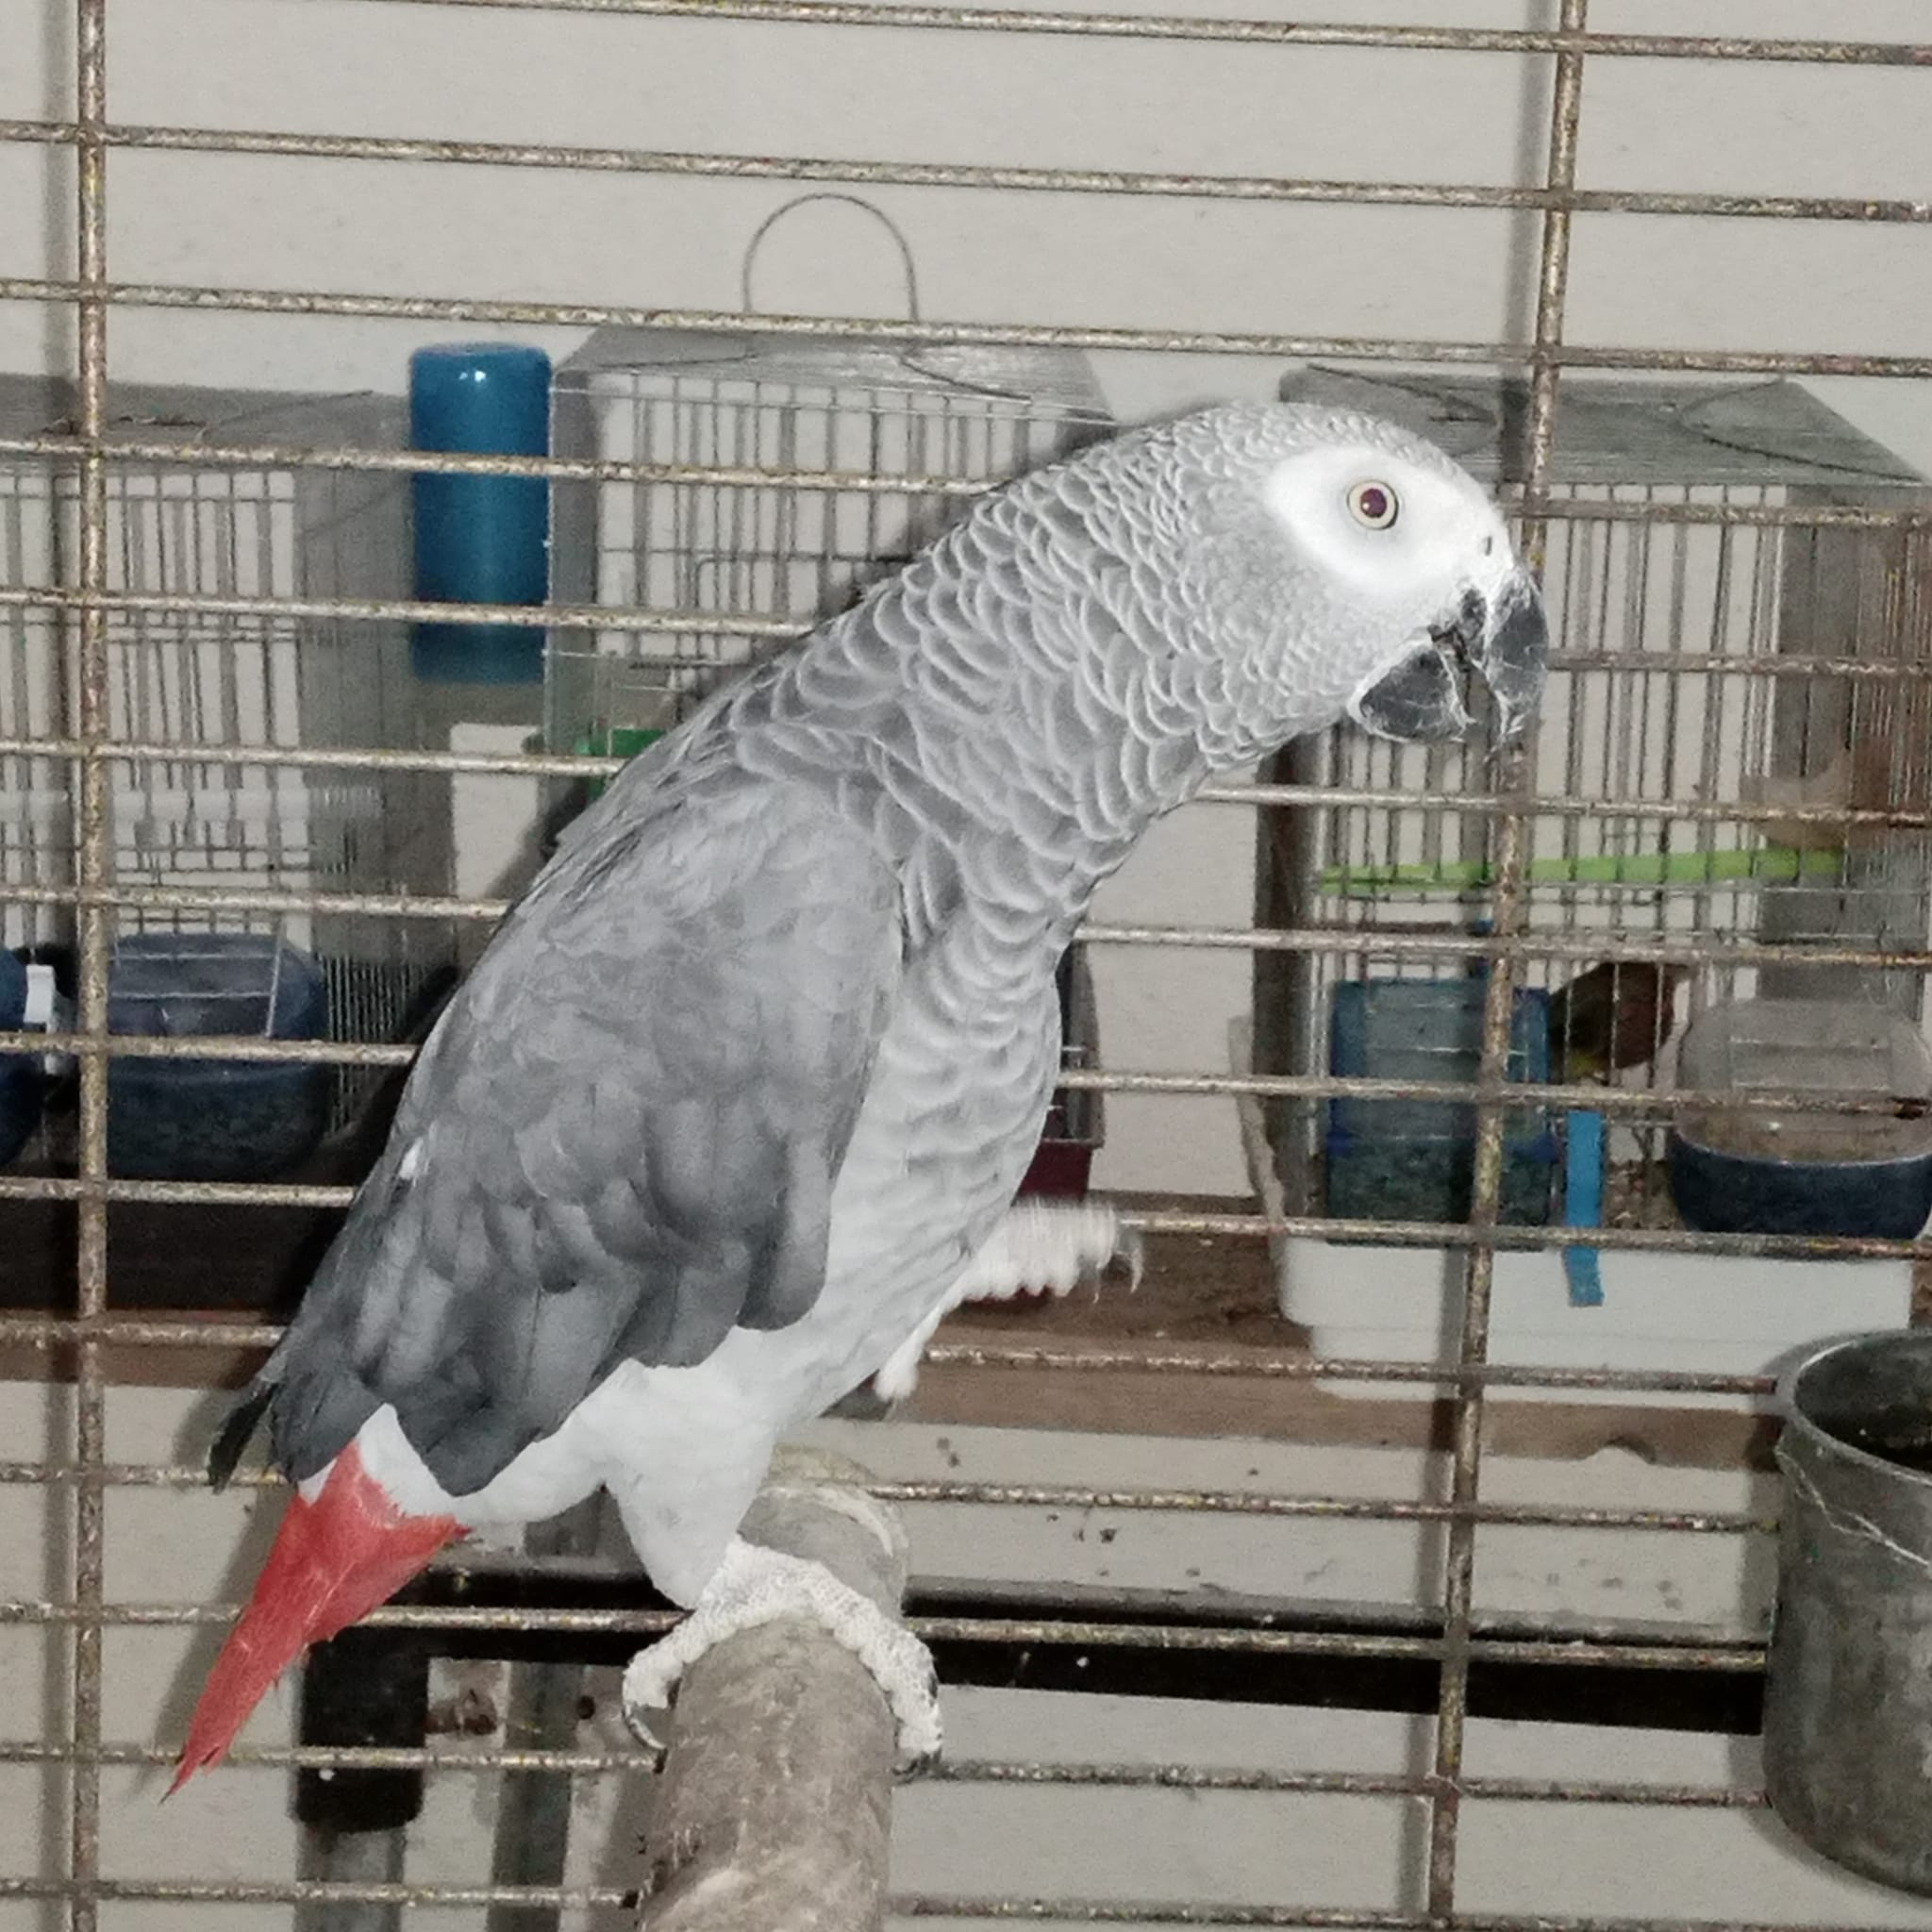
(1217, 1294)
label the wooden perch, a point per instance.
(772, 1813)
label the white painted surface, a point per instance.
(1701, 1314)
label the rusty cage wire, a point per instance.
(1557, 799)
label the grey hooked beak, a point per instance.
(1502, 640)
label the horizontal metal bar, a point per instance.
(210, 1046)
(1352, 1784)
(481, 1758)
(1032, 1911)
(131, 1475)
(1070, 1497)
(402, 610)
(1193, 1778)
(1250, 796)
(1365, 1508)
(752, 624)
(1585, 948)
(1658, 1103)
(453, 1617)
(1287, 1366)
(1659, 1240)
(1100, 1911)
(196, 454)
(334, 757)
(376, 307)
(1588, 949)
(18, 1187)
(1103, 181)
(1653, 1103)
(237, 1891)
(1904, 514)
(1271, 1364)
(1072, 1632)
(1266, 32)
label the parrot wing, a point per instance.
(621, 1141)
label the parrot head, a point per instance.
(1343, 567)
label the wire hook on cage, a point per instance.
(906, 357)
(858, 201)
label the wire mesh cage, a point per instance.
(186, 675)
(1218, 1647)
(907, 433)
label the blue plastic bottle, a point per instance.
(480, 539)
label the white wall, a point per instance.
(347, 66)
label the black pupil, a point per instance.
(1374, 504)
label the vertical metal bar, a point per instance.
(94, 860)
(1508, 913)
(533, 1812)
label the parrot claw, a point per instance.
(1041, 1247)
(754, 1585)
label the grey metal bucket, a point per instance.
(1848, 1692)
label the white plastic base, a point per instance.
(1701, 1314)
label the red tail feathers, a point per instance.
(333, 1561)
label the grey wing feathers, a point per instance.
(621, 1141)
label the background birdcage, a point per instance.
(184, 674)
(1667, 694)
(1706, 746)
(889, 421)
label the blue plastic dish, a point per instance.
(1415, 1159)
(1771, 1169)
(22, 1082)
(1740, 1193)
(213, 1120)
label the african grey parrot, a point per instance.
(733, 1106)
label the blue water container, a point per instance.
(22, 1082)
(1415, 1159)
(210, 1119)
(480, 539)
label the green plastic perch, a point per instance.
(1770, 865)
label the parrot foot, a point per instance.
(1047, 1247)
(1052, 1246)
(754, 1585)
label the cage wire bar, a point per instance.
(1445, 1796)
(84, 605)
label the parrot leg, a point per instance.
(1041, 1246)
(754, 1585)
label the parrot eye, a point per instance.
(1373, 505)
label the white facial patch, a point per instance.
(1407, 541)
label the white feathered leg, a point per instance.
(1047, 1247)
(754, 1586)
